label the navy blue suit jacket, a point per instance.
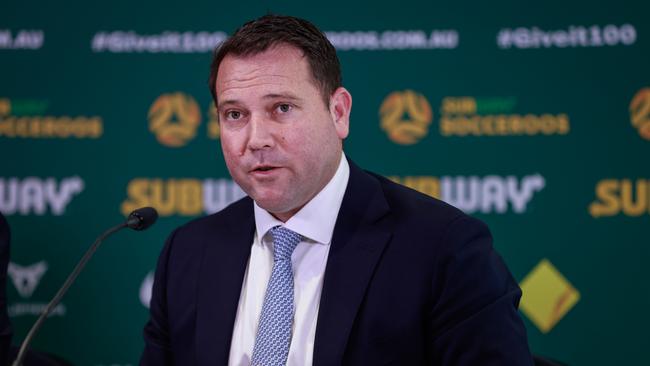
(409, 280)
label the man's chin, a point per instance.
(279, 208)
(272, 207)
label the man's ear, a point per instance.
(340, 107)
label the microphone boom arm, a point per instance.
(59, 295)
(139, 219)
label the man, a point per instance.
(323, 263)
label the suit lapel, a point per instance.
(357, 245)
(221, 276)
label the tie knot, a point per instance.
(284, 242)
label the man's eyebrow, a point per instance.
(227, 102)
(282, 96)
(288, 96)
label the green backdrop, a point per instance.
(534, 117)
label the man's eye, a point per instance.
(284, 108)
(233, 114)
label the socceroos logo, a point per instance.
(174, 118)
(496, 116)
(27, 118)
(640, 112)
(406, 116)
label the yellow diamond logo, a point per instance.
(547, 296)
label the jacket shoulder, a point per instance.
(409, 203)
(233, 214)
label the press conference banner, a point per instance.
(534, 117)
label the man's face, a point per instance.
(280, 141)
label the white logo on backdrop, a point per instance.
(34, 195)
(145, 290)
(492, 193)
(23, 39)
(26, 279)
(572, 37)
(166, 42)
(394, 40)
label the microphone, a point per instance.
(139, 219)
(142, 218)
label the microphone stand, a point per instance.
(59, 295)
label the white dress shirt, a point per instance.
(315, 222)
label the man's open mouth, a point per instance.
(265, 168)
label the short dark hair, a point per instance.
(257, 36)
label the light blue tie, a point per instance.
(274, 331)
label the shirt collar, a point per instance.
(317, 218)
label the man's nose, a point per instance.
(260, 134)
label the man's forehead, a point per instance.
(278, 67)
(282, 55)
(273, 50)
(257, 85)
(273, 62)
